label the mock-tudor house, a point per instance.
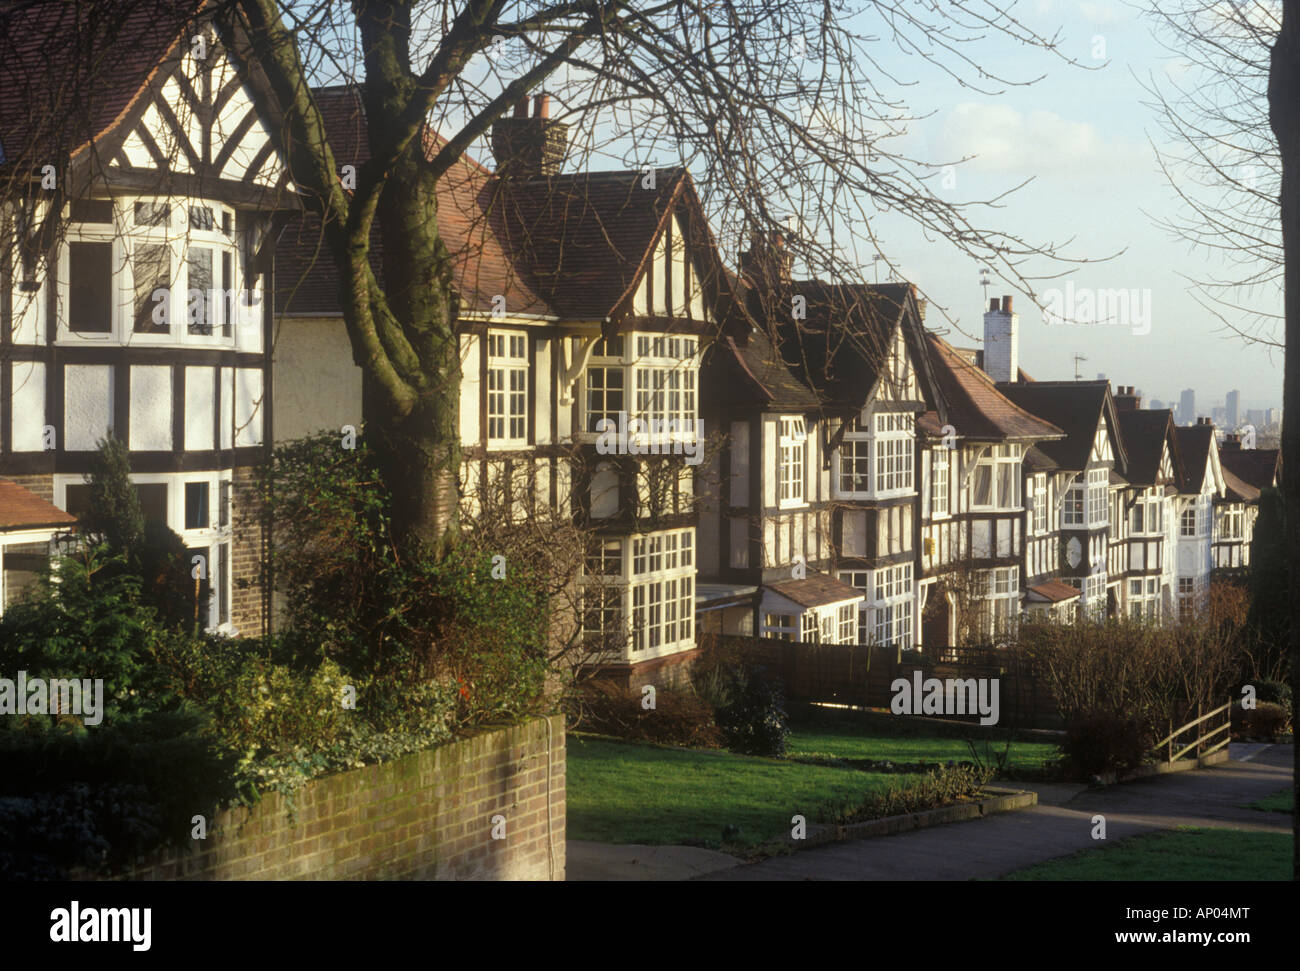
(975, 518)
(764, 553)
(1148, 506)
(1201, 484)
(1085, 461)
(584, 298)
(141, 314)
(1245, 473)
(863, 349)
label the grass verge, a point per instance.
(625, 792)
(1279, 802)
(1187, 853)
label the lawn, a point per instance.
(1279, 802)
(844, 743)
(624, 792)
(1183, 854)
(881, 736)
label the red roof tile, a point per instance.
(70, 71)
(23, 509)
(977, 409)
(817, 590)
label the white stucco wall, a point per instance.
(87, 405)
(316, 384)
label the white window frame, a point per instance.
(793, 470)
(939, 492)
(994, 459)
(507, 384)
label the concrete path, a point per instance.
(636, 861)
(1060, 825)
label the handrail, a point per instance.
(1195, 721)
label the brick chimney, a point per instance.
(767, 263)
(1231, 443)
(530, 147)
(1001, 358)
(1127, 398)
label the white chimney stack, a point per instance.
(1001, 337)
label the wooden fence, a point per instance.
(862, 675)
(1204, 733)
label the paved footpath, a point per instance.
(1058, 826)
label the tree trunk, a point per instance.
(1284, 117)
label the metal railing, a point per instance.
(1202, 740)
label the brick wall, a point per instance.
(427, 816)
(248, 602)
(42, 484)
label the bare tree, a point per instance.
(1220, 158)
(778, 108)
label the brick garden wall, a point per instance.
(249, 606)
(427, 816)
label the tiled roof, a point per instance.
(587, 237)
(844, 339)
(23, 509)
(1052, 591)
(1194, 442)
(1037, 461)
(1238, 489)
(817, 590)
(1076, 407)
(755, 369)
(307, 279)
(977, 409)
(69, 71)
(566, 245)
(1145, 433)
(1257, 467)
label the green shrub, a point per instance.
(1106, 743)
(678, 718)
(1266, 720)
(753, 718)
(941, 788)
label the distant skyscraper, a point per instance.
(1231, 406)
(1157, 404)
(1255, 416)
(1101, 377)
(1218, 415)
(1273, 416)
(1186, 408)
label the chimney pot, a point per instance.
(993, 304)
(1006, 305)
(521, 107)
(542, 106)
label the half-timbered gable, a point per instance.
(1085, 460)
(974, 523)
(863, 349)
(134, 279)
(1246, 472)
(1200, 484)
(1146, 509)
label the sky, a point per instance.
(1083, 136)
